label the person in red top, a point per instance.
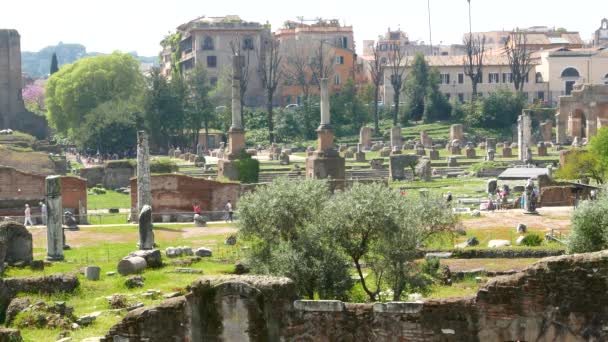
(196, 208)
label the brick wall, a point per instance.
(557, 299)
(18, 187)
(177, 193)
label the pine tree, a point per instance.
(54, 64)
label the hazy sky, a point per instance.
(137, 25)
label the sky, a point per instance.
(137, 25)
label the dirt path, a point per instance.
(549, 218)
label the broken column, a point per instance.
(360, 155)
(457, 132)
(236, 134)
(546, 130)
(144, 193)
(54, 230)
(365, 137)
(426, 141)
(325, 162)
(524, 135)
(396, 137)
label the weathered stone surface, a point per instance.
(521, 228)
(92, 272)
(134, 281)
(399, 163)
(10, 335)
(203, 252)
(153, 257)
(533, 305)
(16, 306)
(146, 233)
(130, 265)
(499, 243)
(423, 169)
(18, 242)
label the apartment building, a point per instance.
(537, 38)
(324, 44)
(212, 41)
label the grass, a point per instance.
(111, 199)
(484, 235)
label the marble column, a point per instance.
(144, 193)
(54, 227)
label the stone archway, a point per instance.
(577, 123)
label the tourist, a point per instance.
(229, 211)
(28, 215)
(43, 212)
(196, 208)
(449, 198)
(490, 205)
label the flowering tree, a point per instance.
(33, 98)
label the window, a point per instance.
(570, 72)
(211, 61)
(539, 77)
(480, 77)
(337, 80)
(445, 78)
(248, 43)
(345, 42)
(507, 77)
(460, 97)
(540, 95)
(208, 43)
(213, 81)
(339, 59)
(493, 77)
(460, 78)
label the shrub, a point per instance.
(532, 240)
(589, 227)
(430, 266)
(248, 168)
(120, 164)
(163, 165)
(98, 191)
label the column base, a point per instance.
(55, 258)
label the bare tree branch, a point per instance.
(321, 63)
(397, 61)
(376, 68)
(239, 49)
(473, 60)
(271, 72)
(520, 61)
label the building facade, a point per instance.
(212, 41)
(600, 37)
(324, 48)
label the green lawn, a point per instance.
(111, 199)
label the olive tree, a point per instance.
(281, 221)
(589, 227)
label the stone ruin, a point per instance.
(582, 113)
(557, 299)
(524, 135)
(15, 243)
(399, 163)
(365, 137)
(457, 132)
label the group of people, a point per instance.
(499, 199)
(28, 214)
(229, 211)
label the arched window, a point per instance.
(208, 43)
(539, 77)
(570, 72)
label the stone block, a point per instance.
(92, 272)
(18, 242)
(319, 305)
(376, 163)
(411, 308)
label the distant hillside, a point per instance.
(38, 64)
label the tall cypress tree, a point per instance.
(54, 64)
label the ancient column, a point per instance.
(325, 132)
(144, 193)
(396, 136)
(236, 134)
(524, 135)
(54, 227)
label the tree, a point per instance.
(519, 56)
(33, 98)
(199, 110)
(498, 110)
(348, 113)
(589, 227)
(78, 88)
(473, 61)
(110, 128)
(321, 63)
(397, 62)
(599, 146)
(54, 64)
(376, 69)
(281, 221)
(436, 105)
(583, 165)
(163, 107)
(416, 86)
(271, 72)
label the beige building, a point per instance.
(563, 68)
(537, 38)
(212, 41)
(600, 37)
(456, 85)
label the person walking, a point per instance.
(229, 211)
(43, 212)
(28, 215)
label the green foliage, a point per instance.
(80, 87)
(582, 165)
(163, 165)
(110, 127)
(98, 191)
(589, 227)
(479, 167)
(120, 164)
(430, 266)
(248, 168)
(163, 107)
(424, 100)
(281, 221)
(199, 111)
(599, 146)
(532, 240)
(348, 111)
(499, 109)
